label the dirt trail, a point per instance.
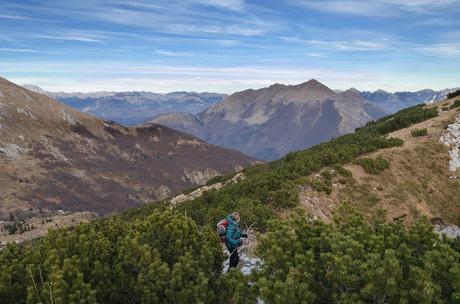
(200, 191)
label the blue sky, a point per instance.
(230, 45)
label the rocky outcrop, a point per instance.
(12, 151)
(451, 138)
(448, 230)
(181, 198)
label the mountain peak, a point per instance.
(315, 89)
(352, 90)
(33, 88)
(380, 91)
(277, 86)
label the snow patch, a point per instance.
(451, 138)
(1, 94)
(12, 151)
(246, 265)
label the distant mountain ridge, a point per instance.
(393, 102)
(270, 122)
(53, 157)
(133, 108)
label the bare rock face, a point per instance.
(451, 138)
(273, 121)
(53, 157)
(12, 151)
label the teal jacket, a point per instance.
(233, 235)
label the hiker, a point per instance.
(233, 238)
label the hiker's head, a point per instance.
(236, 216)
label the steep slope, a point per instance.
(53, 157)
(273, 121)
(393, 102)
(133, 108)
(422, 178)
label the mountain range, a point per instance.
(133, 108)
(53, 157)
(393, 102)
(270, 122)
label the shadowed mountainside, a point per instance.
(273, 121)
(53, 157)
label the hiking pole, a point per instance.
(249, 229)
(234, 250)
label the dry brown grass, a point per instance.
(43, 224)
(417, 183)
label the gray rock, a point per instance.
(451, 138)
(12, 151)
(449, 230)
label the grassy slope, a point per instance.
(418, 181)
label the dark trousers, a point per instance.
(234, 258)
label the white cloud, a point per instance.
(352, 45)
(316, 55)
(13, 50)
(215, 29)
(386, 8)
(234, 5)
(173, 53)
(82, 37)
(113, 76)
(442, 49)
(14, 17)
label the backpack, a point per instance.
(222, 229)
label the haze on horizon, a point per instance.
(230, 45)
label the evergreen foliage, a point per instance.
(453, 94)
(164, 258)
(373, 165)
(456, 104)
(419, 132)
(156, 255)
(354, 261)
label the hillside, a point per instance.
(270, 122)
(358, 254)
(422, 177)
(53, 157)
(133, 108)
